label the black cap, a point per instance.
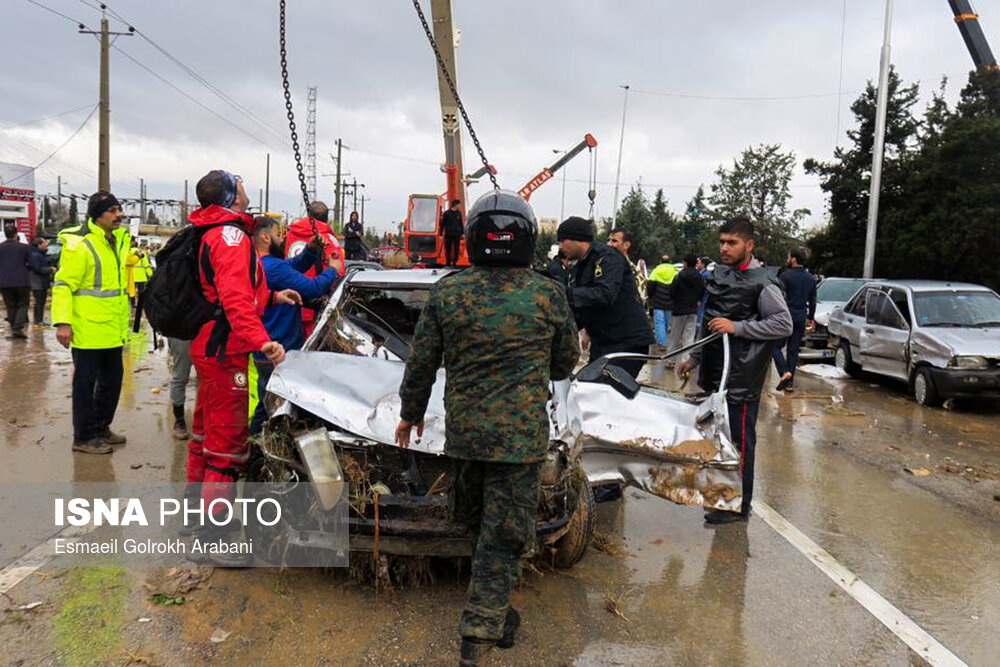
(576, 228)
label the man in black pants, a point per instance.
(452, 229)
(604, 297)
(747, 304)
(41, 277)
(14, 281)
(800, 295)
(90, 312)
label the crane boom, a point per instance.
(972, 33)
(545, 174)
(445, 37)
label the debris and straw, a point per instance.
(615, 597)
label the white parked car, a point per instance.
(942, 338)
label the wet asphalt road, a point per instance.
(687, 594)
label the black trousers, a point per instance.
(793, 344)
(97, 384)
(632, 366)
(16, 300)
(40, 296)
(743, 431)
(452, 247)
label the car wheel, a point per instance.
(843, 361)
(923, 388)
(571, 547)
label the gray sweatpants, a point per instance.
(681, 331)
(180, 369)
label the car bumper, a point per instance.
(815, 347)
(951, 382)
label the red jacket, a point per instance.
(230, 253)
(300, 233)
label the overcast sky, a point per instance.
(535, 76)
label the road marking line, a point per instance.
(918, 639)
(26, 565)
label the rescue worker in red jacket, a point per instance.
(300, 233)
(231, 274)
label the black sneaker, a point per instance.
(180, 431)
(473, 649)
(111, 437)
(92, 446)
(719, 517)
(19, 335)
(510, 626)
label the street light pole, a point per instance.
(621, 144)
(882, 103)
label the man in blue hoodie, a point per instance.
(282, 321)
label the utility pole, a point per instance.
(267, 184)
(354, 196)
(882, 103)
(621, 144)
(336, 188)
(59, 194)
(142, 202)
(104, 117)
(184, 207)
(363, 200)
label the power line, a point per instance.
(194, 99)
(57, 13)
(200, 79)
(61, 146)
(39, 120)
(737, 98)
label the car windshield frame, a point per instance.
(928, 315)
(829, 285)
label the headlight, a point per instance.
(969, 363)
(322, 464)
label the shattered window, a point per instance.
(386, 311)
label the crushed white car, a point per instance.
(605, 429)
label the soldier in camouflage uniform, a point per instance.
(504, 332)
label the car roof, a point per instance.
(415, 278)
(932, 285)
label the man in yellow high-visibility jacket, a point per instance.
(90, 312)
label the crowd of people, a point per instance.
(262, 280)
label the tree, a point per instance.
(698, 227)
(838, 250)
(151, 218)
(943, 227)
(543, 246)
(71, 220)
(635, 217)
(757, 186)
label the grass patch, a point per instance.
(88, 628)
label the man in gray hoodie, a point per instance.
(748, 305)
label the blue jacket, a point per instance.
(41, 270)
(800, 292)
(284, 321)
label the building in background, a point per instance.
(17, 198)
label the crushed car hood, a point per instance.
(674, 447)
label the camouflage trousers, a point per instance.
(501, 501)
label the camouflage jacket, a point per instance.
(503, 334)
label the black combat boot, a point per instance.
(473, 649)
(180, 426)
(510, 626)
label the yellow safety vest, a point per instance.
(143, 269)
(89, 289)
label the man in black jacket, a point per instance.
(41, 277)
(603, 296)
(452, 229)
(686, 291)
(800, 295)
(354, 232)
(14, 280)
(747, 304)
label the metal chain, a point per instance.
(454, 93)
(291, 114)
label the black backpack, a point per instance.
(173, 301)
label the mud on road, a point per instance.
(663, 588)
